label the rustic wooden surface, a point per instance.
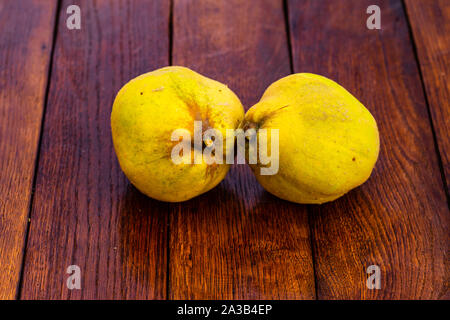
(431, 29)
(236, 241)
(26, 32)
(391, 220)
(85, 212)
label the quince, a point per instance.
(328, 141)
(145, 114)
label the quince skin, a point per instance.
(328, 141)
(149, 108)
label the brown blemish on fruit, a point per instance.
(268, 116)
(211, 171)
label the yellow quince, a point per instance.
(328, 141)
(146, 113)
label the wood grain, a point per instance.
(25, 46)
(237, 241)
(430, 23)
(85, 212)
(399, 219)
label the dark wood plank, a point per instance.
(430, 23)
(25, 47)
(85, 212)
(399, 219)
(237, 241)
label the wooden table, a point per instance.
(64, 200)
